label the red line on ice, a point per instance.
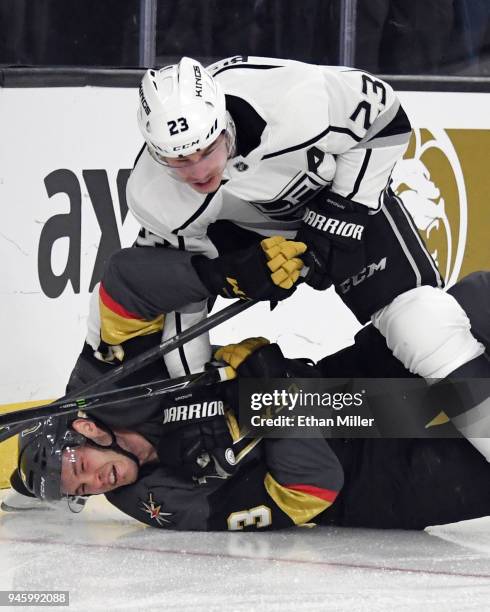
(194, 553)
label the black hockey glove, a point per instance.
(196, 441)
(333, 229)
(267, 270)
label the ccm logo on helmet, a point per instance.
(333, 226)
(144, 103)
(193, 411)
(185, 146)
(197, 74)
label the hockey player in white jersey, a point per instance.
(252, 148)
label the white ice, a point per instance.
(107, 561)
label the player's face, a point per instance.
(204, 169)
(87, 470)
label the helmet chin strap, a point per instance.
(76, 503)
(113, 445)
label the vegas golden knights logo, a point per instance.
(430, 182)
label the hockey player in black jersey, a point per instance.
(278, 483)
(299, 156)
(191, 464)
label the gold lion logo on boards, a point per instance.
(430, 182)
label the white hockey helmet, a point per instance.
(182, 109)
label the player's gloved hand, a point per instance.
(254, 358)
(196, 440)
(265, 271)
(235, 354)
(109, 353)
(333, 228)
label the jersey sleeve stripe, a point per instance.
(430, 260)
(183, 358)
(116, 330)
(390, 129)
(404, 247)
(114, 306)
(118, 324)
(400, 124)
(388, 141)
(361, 174)
(326, 494)
(253, 66)
(301, 506)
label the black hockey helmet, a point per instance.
(40, 451)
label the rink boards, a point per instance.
(65, 161)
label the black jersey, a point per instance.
(279, 483)
(285, 482)
(409, 483)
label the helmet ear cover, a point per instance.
(18, 485)
(40, 451)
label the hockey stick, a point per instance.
(149, 390)
(135, 364)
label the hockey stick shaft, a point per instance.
(160, 388)
(165, 347)
(140, 361)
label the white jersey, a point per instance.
(300, 128)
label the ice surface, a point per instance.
(107, 561)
